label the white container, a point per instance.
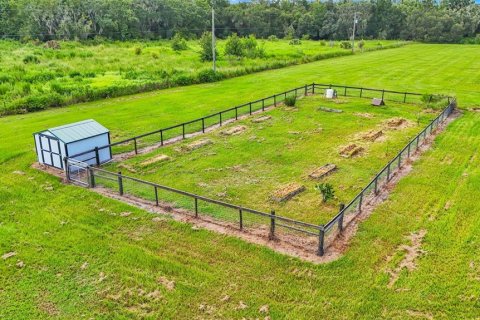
(330, 93)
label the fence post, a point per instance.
(360, 203)
(409, 147)
(67, 173)
(306, 90)
(161, 137)
(250, 107)
(263, 104)
(313, 88)
(345, 92)
(91, 175)
(203, 125)
(236, 113)
(183, 130)
(321, 240)
(271, 236)
(135, 145)
(274, 100)
(383, 94)
(361, 92)
(405, 98)
(220, 114)
(156, 195)
(399, 160)
(376, 185)
(120, 183)
(340, 219)
(388, 171)
(240, 213)
(196, 207)
(97, 156)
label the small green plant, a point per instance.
(295, 42)
(138, 51)
(361, 45)
(234, 46)
(290, 101)
(31, 59)
(179, 43)
(306, 37)
(323, 43)
(272, 38)
(346, 45)
(326, 190)
(205, 41)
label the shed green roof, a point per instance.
(78, 130)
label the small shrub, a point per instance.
(208, 76)
(306, 37)
(346, 45)
(4, 88)
(31, 59)
(205, 41)
(290, 101)
(155, 55)
(323, 43)
(90, 74)
(361, 45)
(26, 88)
(326, 190)
(138, 51)
(234, 46)
(295, 42)
(74, 74)
(179, 43)
(52, 44)
(289, 33)
(272, 38)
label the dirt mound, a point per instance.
(323, 171)
(198, 144)
(373, 135)
(233, 131)
(351, 151)
(158, 158)
(287, 192)
(261, 119)
(396, 123)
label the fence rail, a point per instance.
(95, 176)
(200, 125)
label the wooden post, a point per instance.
(183, 130)
(360, 203)
(135, 145)
(97, 156)
(306, 90)
(161, 137)
(271, 236)
(313, 88)
(263, 104)
(91, 175)
(321, 240)
(220, 114)
(196, 207)
(340, 219)
(156, 196)
(376, 185)
(236, 113)
(388, 171)
(240, 213)
(250, 106)
(383, 94)
(120, 183)
(405, 98)
(274, 100)
(203, 125)
(361, 92)
(67, 173)
(399, 160)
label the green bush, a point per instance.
(295, 42)
(323, 43)
(290, 101)
(346, 45)
(31, 59)
(208, 75)
(306, 37)
(205, 41)
(179, 43)
(272, 38)
(137, 51)
(361, 44)
(234, 46)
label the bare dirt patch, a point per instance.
(373, 135)
(325, 109)
(412, 251)
(323, 171)
(396, 123)
(158, 158)
(127, 167)
(198, 144)
(351, 151)
(261, 119)
(287, 192)
(234, 131)
(364, 115)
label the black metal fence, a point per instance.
(244, 217)
(200, 125)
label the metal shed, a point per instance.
(54, 144)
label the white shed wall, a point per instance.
(89, 144)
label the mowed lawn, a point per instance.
(82, 258)
(247, 168)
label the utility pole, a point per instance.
(355, 21)
(213, 37)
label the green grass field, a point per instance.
(82, 259)
(246, 169)
(33, 77)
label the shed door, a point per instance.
(50, 153)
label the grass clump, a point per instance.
(290, 101)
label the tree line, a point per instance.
(422, 20)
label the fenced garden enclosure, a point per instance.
(319, 236)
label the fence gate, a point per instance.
(77, 172)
